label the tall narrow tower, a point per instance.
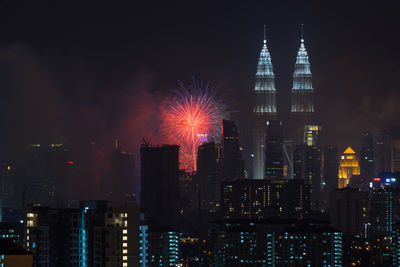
(302, 95)
(264, 109)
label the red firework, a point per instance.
(191, 119)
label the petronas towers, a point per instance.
(265, 108)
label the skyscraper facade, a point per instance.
(160, 183)
(232, 158)
(348, 166)
(367, 156)
(264, 108)
(274, 151)
(302, 107)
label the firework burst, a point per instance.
(192, 117)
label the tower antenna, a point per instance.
(302, 32)
(265, 33)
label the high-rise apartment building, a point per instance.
(276, 242)
(91, 235)
(260, 199)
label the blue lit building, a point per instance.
(396, 244)
(93, 234)
(276, 242)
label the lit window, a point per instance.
(124, 238)
(124, 258)
(124, 245)
(124, 231)
(124, 251)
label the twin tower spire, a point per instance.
(302, 103)
(302, 90)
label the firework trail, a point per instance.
(193, 117)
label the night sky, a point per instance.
(97, 71)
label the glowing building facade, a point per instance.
(348, 166)
(264, 108)
(302, 107)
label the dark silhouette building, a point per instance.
(160, 183)
(307, 166)
(274, 151)
(45, 173)
(208, 175)
(260, 199)
(122, 176)
(367, 156)
(232, 158)
(331, 168)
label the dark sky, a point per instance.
(96, 71)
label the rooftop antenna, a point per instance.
(302, 32)
(265, 34)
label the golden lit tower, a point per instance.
(348, 166)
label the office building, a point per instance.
(302, 94)
(349, 210)
(261, 199)
(307, 167)
(160, 183)
(264, 109)
(331, 168)
(367, 156)
(274, 151)
(208, 176)
(45, 173)
(348, 166)
(232, 156)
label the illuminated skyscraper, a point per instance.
(348, 166)
(265, 107)
(302, 94)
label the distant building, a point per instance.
(160, 183)
(45, 173)
(274, 151)
(302, 104)
(348, 166)
(264, 109)
(232, 156)
(381, 213)
(367, 156)
(307, 166)
(208, 176)
(331, 168)
(261, 199)
(276, 242)
(122, 167)
(349, 210)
